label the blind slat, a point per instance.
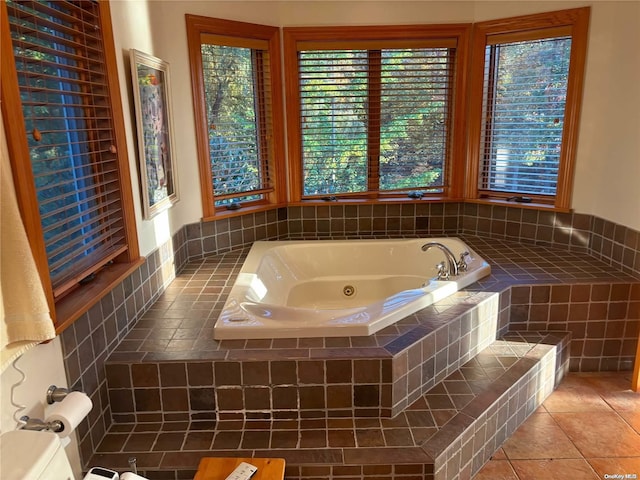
(39, 34)
(106, 189)
(82, 266)
(23, 45)
(80, 246)
(35, 89)
(72, 224)
(53, 158)
(91, 180)
(56, 20)
(71, 10)
(44, 64)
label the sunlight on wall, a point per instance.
(163, 238)
(547, 376)
(580, 237)
(608, 164)
(161, 227)
(132, 29)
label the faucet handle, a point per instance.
(443, 271)
(462, 263)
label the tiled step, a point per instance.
(446, 433)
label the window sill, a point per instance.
(222, 213)
(373, 201)
(70, 307)
(503, 202)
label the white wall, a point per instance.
(43, 366)
(609, 140)
(608, 167)
(132, 29)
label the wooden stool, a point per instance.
(219, 468)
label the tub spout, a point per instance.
(444, 271)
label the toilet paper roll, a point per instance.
(70, 411)
(131, 476)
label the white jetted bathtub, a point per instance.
(331, 288)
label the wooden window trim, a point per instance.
(67, 309)
(246, 35)
(296, 38)
(529, 27)
(373, 119)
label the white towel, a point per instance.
(24, 313)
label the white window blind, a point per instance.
(525, 89)
(375, 120)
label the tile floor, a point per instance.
(589, 428)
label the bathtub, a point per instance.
(331, 288)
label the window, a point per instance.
(528, 80)
(526, 85)
(236, 90)
(372, 113)
(67, 146)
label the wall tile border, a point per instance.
(614, 244)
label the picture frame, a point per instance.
(154, 121)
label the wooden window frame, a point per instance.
(522, 28)
(66, 309)
(368, 37)
(242, 33)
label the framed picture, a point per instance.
(150, 77)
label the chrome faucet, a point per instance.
(443, 271)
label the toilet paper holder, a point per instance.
(39, 425)
(56, 394)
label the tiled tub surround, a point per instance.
(169, 374)
(409, 355)
(89, 342)
(447, 433)
(179, 325)
(604, 320)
